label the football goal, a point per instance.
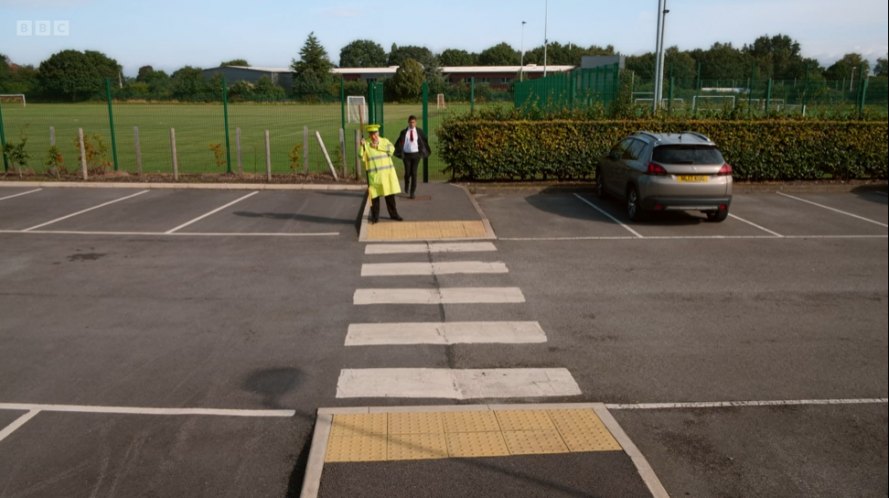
(13, 97)
(356, 109)
(440, 101)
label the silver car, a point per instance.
(667, 171)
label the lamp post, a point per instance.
(545, 15)
(522, 58)
(659, 55)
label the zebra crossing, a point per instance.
(446, 383)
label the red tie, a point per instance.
(412, 135)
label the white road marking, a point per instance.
(20, 194)
(737, 404)
(449, 295)
(180, 234)
(776, 234)
(133, 410)
(433, 247)
(455, 384)
(220, 208)
(9, 429)
(437, 268)
(834, 209)
(597, 208)
(377, 334)
(692, 237)
(84, 211)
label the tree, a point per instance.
(188, 83)
(76, 75)
(457, 57)
(363, 53)
(15, 78)
(408, 80)
(266, 89)
(235, 62)
(847, 68)
(397, 55)
(777, 57)
(311, 74)
(501, 54)
(722, 61)
(880, 68)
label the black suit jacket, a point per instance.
(422, 142)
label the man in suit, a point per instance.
(410, 147)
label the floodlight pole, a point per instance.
(522, 63)
(545, 40)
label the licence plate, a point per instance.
(692, 178)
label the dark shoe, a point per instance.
(373, 220)
(397, 218)
(412, 196)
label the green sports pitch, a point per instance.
(199, 129)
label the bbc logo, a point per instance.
(42, 28)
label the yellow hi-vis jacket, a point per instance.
(381, 176)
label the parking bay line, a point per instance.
(220, 208)
(447, 295)
(455, 383)
(833, 209)
(134, 410)
(20, 194)
(9, 429)
(444, 333)
(743, 404)
(435, 268)
(776, 234)
(179, 234)
(84, 211)
(612, 218)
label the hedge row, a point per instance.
(757, 150)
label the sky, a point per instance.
(170, 34)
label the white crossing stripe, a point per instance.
(437, 268)
(433, 247)
(455, 384)
(448, 295)
(378, 334)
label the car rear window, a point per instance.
(687, 154)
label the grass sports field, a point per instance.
(200, 126)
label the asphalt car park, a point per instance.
(174, 342)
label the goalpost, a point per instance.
(356, 108)
(13, 97)
(440, 101)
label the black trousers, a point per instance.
(390, 206)
(411, 162)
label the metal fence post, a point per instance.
(3, 142)
(138, 149)
(768, 95)
(472, 95)
(862, 92)
(426, 128)
(111, 122)
(228, 153)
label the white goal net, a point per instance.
(13, 98)
(356, 109)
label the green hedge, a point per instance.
(757, 150)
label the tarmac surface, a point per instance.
(192, 342)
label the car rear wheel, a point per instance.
(634, 208)
(718, 215)
(600, 183)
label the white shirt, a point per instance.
(411, 146)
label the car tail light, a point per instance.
(725, 170)
(655, 169)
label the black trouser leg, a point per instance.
(375, 209)
(390, 205)
(411, 162)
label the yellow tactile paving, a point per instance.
(534, 442)
(476, 444)
(463, 434)
(417, 446)
(425, 230)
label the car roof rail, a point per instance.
(697, 134)
(650, 134)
